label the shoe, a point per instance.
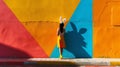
(61, 56)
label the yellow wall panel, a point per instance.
(42, 10)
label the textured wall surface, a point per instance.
(28, 28)
(106, 14)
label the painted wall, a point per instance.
(28, 28)
(106, 14)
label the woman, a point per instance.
(61, 31)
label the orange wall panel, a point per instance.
(106, 35)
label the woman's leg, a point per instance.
(61, 51)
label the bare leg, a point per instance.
(61, 51)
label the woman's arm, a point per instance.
(58, 31)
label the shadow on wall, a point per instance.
(10, 52)
(75, 42)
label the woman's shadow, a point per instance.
(75, 42)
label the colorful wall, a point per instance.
(28, 28)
